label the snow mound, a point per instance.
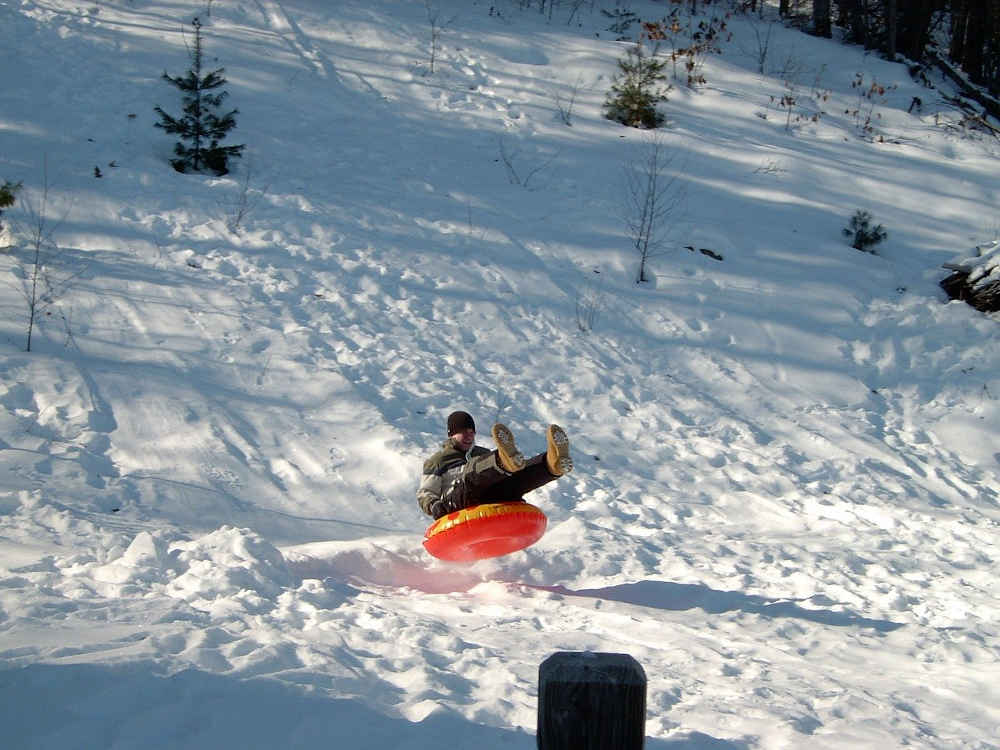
(145, 560)
(226, 568)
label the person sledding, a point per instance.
(462, 474)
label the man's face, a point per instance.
(465, 439)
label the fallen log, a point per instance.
(987, 102)
(976, 280)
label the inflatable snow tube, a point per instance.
(483, 531)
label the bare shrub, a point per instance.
(654, 195)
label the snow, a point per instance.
(983, 267)
(786, 505)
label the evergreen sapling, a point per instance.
(637, 89)
(200, 126)
(864, 235)
(8, 194)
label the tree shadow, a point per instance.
(677, 597)
(138, 705)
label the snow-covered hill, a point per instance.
(787, 493)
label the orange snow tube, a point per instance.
(483, 531)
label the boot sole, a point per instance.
(558, 453)
(511, 459)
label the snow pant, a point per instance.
(484, 481)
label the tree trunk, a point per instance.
(975, 58)
(891, 20)
(992, 62)
(851, 17)
(913, 23)
(821, 18)
(959, 23)
(975, 40)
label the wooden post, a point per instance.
(591, 701)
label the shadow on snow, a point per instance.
(677, 597)
(135, 705)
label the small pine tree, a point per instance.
(200, 126)
(636, 90)
(865, 236)
(8, 193)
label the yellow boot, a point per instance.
(557, 457)
(511, 459)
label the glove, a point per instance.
(446, 505)
(439, 508)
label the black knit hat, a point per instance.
(460, 420)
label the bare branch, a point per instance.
(653, 197)
(565, 103)
(245, 201)
(35, 227)
(520, 175)
(438, 27)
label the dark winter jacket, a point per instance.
(442, 470)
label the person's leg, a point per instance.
(535, 474)
(479, 475)
(486, 481)
(537, 471)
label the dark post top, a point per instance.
(591, 701)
